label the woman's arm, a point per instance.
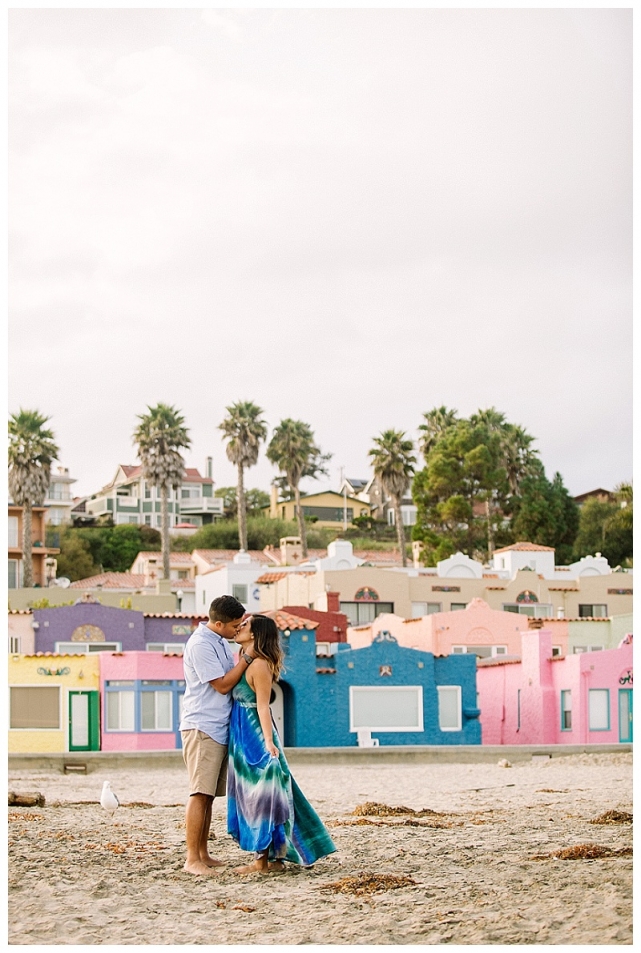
(262, 685)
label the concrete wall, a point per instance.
(25, 598)
(86, 620)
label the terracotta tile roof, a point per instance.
(563, 588)
(285, 620)
(191, 473)
(502, 660)
(175, 615)
(378, 557)
(55, 654)
(176, 557)
(112, 580)
(226, 555)
(326, 671)
(268, 577)
(417, 619)
(490, 575)
(492, 588)
(524, 547)
(182, 584)
(19, 611)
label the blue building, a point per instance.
(402, 696)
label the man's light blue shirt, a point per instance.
(207, 657)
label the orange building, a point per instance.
(43, 563)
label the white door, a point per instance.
(79, 721)
(278, 711)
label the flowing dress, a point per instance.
(266, 810)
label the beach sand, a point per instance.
(78, 877)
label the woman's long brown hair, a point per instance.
(267, 643)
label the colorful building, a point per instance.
(398, 696)
(585, 698)
(484, 632)
(53, 703)
(141, 701)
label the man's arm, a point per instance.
(226, 682)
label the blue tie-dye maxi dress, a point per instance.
(266, 810)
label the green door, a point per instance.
(84, 721)
(625, 714)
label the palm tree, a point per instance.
(436, 423)
(293, 450)
(518, 456)
(160, 435)
(244, 430)
(31, 452)
(393, 467)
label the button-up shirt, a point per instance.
(207, 657)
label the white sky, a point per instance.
(346, 216)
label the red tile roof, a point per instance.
(524, 547)
(285, 620)
(112, 580)
(268, 577)
(176, 557)
(191, 473)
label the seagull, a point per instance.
(108, 799)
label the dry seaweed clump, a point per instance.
(585, 852)
(613, 817)
(373, 808)
(368, 883)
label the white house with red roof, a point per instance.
(129, 498)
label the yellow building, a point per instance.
(54, 703)
(329, 509)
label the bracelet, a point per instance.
(247, 658)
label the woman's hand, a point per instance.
(272, 749)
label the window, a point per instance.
(155, 708)
(82, 648)
(325, 648)
(599, 709)
(360, 613)
(424, 608)
(449, 707)
(37, 707)
(119, 704)
(539, 610)
(578, 649)
(147, 491)
(147, 519)
(482, 651)
(556, 650)
(14, 574)
(595, 610)
(13, 531)
(331, 514)
(183, 574)
(397, 708)
(173, 648)
(566, 711)
(14, 644)
(240, 592)
(455, 606)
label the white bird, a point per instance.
(108, 799)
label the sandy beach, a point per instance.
(475, 865)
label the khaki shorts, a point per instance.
(206, 762)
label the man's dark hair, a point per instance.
(226, 609)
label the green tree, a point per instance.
(32, 449)
(160, 436)
(606, 527)
(255, 500)
(244, 429)
(393, 462)
(461, 494)
(75, 560)
(120, 548)
(294, 451)
(437, 421)
(545, 513)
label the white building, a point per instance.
(235, 578)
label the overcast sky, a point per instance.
(346, 216)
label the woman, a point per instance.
(266, 811)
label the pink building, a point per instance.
(545, 699)
(141, 699)
(489, 633)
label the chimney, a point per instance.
(333, 604)
(209, 467)
(273, 503)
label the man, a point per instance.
(210, 675)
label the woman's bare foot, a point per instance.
(200, 869)
(258, 867)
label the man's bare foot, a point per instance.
(212, 862)
(277, 866)
(200, 869)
